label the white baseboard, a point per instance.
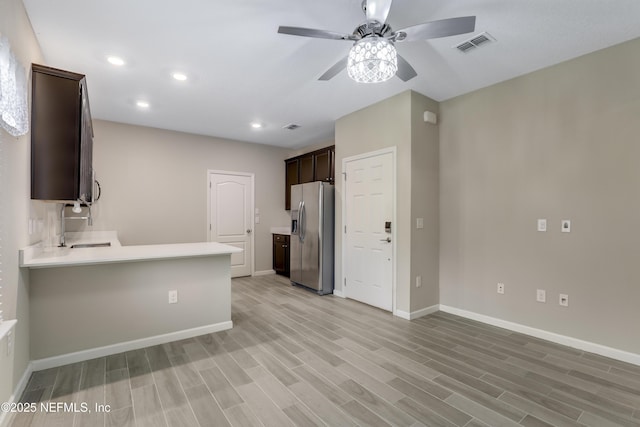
(7, 417)
(339, 293)
(264, 272)
(65, 359)
(591, 347)
(418, 313)
(92, 353)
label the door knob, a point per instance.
(249, 231)
(388, 240)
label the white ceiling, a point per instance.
(241, 70)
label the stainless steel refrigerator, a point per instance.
(311, 243)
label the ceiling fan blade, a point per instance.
(405, 71)
(435, 29)
(378, 10)
(310, 32)
(335, 69)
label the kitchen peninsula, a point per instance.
(88, 302)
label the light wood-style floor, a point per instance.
(295, 358)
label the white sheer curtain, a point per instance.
(14, 117)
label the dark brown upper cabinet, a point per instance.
(61, 136)
(318, 165)
(292, 177)
(324, 165)
(307, 168)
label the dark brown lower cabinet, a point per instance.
(281, 254)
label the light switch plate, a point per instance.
(419, 222)
(542, 224)
(173, 297)
(541, 295)
(566, 226)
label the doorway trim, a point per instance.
(252, 207)
(393, 151)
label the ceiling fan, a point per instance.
(373, 57)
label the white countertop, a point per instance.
(35, 257)
(281, 230)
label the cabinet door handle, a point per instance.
(285, 246)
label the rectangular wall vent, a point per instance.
(474, 42)
(292, 126)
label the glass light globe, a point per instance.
(372, 60)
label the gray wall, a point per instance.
(425, 183)
(85, 307)
(154, 184)
(560, 143)
(381, 125)
(16, 207)
(398, 121)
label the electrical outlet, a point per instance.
(541, 295)
(9, 343)
(501, 288)
(173, 297)
(564, 300)
(418, 281)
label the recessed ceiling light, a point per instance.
(114, 60)
(179, 76)
(142, 104)
(256, 125)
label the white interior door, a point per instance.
(369, 198)
(231, 216)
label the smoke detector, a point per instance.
(291, 126)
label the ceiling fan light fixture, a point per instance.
(372, 60)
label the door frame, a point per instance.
(252, 208)
(388, 150)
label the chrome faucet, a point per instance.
(63, 218)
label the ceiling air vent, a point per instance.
(474, 42)
(292, 126)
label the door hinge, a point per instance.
(345, 229)
(209, 184)
(345, 282)
(209, 227)
(345, 175)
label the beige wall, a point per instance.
(560, 143)
(16, 206)
(154, 184)
(394, 123)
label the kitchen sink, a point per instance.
(91, 245)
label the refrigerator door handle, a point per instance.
(300, 221)
(303, 225)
